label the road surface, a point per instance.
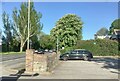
(11, 57)
(98, 68)
(10, 63)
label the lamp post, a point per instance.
(57, 41)
(30, 44)
(28, 23)
(57, 44)
(0, 45)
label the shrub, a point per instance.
(99, 47)
(66, 49)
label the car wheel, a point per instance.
(86, 58)
(65, 58)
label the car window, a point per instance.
(85, 52)
(80, 51)
(67, 53)
(74, 52)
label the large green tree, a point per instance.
(20, 18)
(102, 32)
(115, 25)
(7, 26)
(46, 42)
(68, 30)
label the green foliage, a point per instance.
(35, 42)
(102, 32)
(115, 25)
(9, 43)
(99, 47)
(20, 18)
(66, 49)
(7, 30)
(46, 42)
(68, 30)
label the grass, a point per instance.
(10, 53)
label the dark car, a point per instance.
(39, 51)
(77, 54)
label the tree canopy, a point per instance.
(46, 42)
(68, 30)
(20, 18)
(7, 38)
(102, 32)
(115, 25)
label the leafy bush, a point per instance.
(66, 49)
(99, 47)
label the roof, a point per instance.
(80, 49)
(117, 31)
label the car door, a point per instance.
(80, 53)
(85, 53)
(73, 54)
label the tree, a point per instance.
(68, 30)
(35, 42)
(20, 23)
(115, 25)
(7, 29)
(102, 32)
(46, 42)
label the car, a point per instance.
(77, 54)
(39, 51)
(50, 51)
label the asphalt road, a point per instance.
(11, 57)
(8, 63)
(98, 68)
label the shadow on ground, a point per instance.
(108, 63)
(15, 77)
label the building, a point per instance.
(116, 31)
(115, 35)
(101, 37)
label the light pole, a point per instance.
(30, 44)
(57, 44)
(28, 23)
(0, 40)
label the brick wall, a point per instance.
(40, 62)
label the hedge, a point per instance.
(99, 47)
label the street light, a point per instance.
(30, 44)
(28, 23)
(57, 44)
(0, 40)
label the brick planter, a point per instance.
(40, 62)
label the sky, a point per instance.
(94, 15)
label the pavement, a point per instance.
(7, 57)
(76, 69)
(11, 64)
(98, 68)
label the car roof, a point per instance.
(80, 49)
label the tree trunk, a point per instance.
(21, 46)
